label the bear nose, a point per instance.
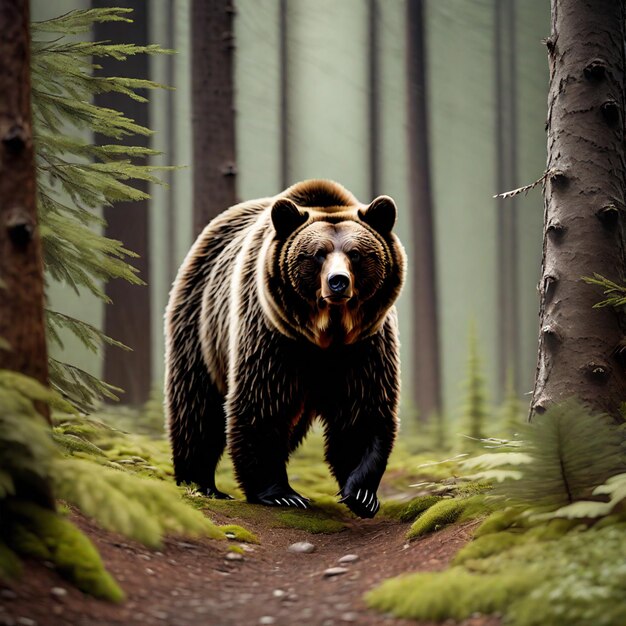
(339, 282)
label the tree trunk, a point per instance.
(127, 319)
(373, 97)
(506, 178)
(427, 384)
(21, 268)
(283, 64)
(214, 169)
(581, 349)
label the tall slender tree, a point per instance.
(506, 178)
(127, 319)
(581, 348)
(214, 168)
(22, 330)
(426, 366)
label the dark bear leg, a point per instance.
(259, 447)
(360, 429)
(197, 426)
(357, 458)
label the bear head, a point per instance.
(333, 268)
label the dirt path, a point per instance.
(192, 582)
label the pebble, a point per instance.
(26, 621)
(184, 544)
(267, 619)
(349, 558)
(334, 571)
(303, 547)
(234, 556)
(349, 617)
(231, 535)
(58, 592)
(279, 593)
(149, 571)
(162, 615)
(7, 594)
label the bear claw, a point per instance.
(364, 503)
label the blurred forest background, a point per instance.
(329, 89)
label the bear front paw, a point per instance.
(362, 502)
(275, 497)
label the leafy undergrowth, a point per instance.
(553, 552)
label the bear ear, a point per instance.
(286, 217)
(380, 214)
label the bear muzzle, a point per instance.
(337, 283)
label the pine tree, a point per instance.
(76, 178)
(475, 408)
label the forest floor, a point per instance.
(222, 583)
(193, 581)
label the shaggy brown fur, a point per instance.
(283, 312)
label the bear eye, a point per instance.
(320, 256)
(354, 256)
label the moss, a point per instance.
(408, 511)
(241, 534)
(71, 552)
(444, 512)
(236, 549)
(310, 521)
(487, 545)
(511, 517)
(454, 594)
(544, 576)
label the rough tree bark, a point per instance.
(581, 349)
(213, 118)
(127, 319)
(21, 267)
(426, 378)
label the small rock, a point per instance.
(7, 594)
(149, 571)
(246, 548)
(58, 592)
(303, 547)
(406, 546)
(234, 556)
(267, 619)
(334, 571)
(279, 593)
(145, 557)
(349, 617)
(349, 558)
(162, 615)
(230, 535)
(184, 544)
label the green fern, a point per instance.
(140, 508)
(77, 178)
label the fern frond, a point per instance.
(616, 294)
(141, 508)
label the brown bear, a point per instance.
(281, 313)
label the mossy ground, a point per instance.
(546, 574)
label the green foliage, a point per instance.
(475, 408)
(240, 534)
(566, 453)
(408, 511)
(512, 410)
(436, 517)
(615, 294)
(537, 581)
(141, 508)
(312, 521)
(43, 534)
(77, 178)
